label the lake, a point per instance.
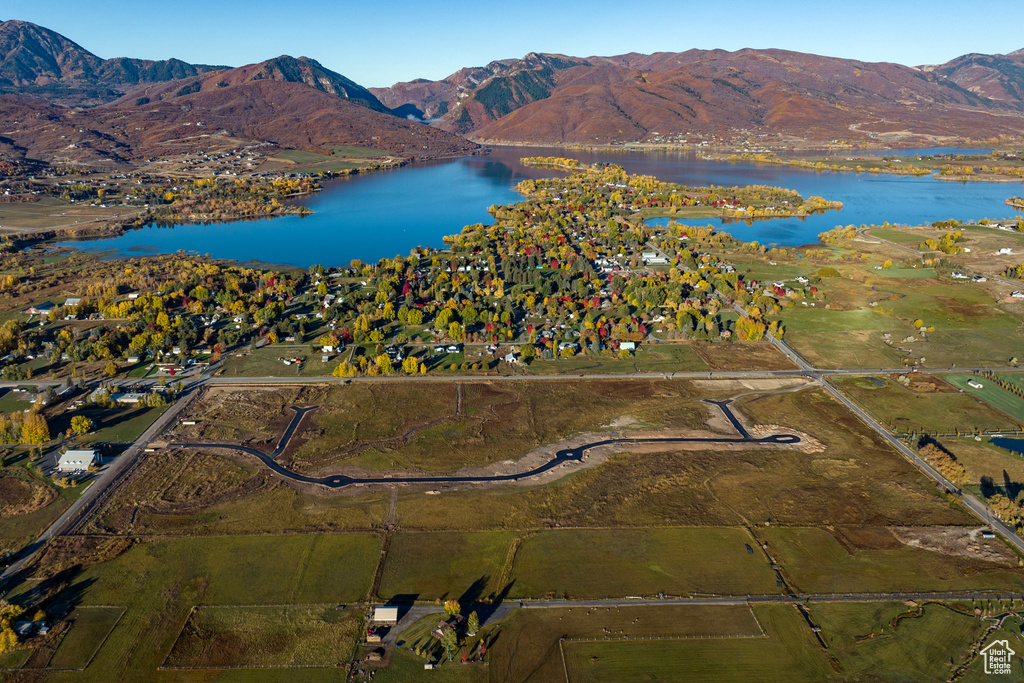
(385, 213)
(1012, 445)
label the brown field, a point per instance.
(855, 480)
(18, 497)
(742, 356)
(439, 427)
(196, 493)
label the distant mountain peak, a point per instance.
(38, 61)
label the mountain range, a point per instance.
(61, 103)
(545, 98)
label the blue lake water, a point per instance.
(1012, 445)
(387, 213)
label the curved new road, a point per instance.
(565, 455)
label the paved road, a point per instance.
(808, 371)
(98, 491)
(563, 456)
(895, 596)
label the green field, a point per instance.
(993, 394)
(266, 362)
(579, 563)
(819, 319)
(15, 401)
(312, 162)
(905, 410)
(926, 645)
(853, 349)
(907, 272)
(14, 659)
(266, 636)
(814, 561)
(982, 459)
(120, 426)
(897, 236)
(357, 152)
(160, 581)
(648, 358)
(604, 563)
(529, 645)
(89, 629)
(445, 565)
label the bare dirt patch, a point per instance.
(927, 384)
(955, 540)
(725, 385)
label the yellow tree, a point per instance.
(34, 428)
(80, 424)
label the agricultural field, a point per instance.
(159, 582)
(874, 559)
(992, 394)
(899, 642)
(254, 637)
(50, 212)
(742, 356)
(190, 493)
(444, 565)
(866, 319)
(90, 628)
(597, 563)
(929, 404)
(685, 643)
(268, 361)
(294, 160)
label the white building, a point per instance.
(76, 460)
(385, 615)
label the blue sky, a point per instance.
(379, 43)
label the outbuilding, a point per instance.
(385, 615)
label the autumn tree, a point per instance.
(8, 613)
(80, 424)
(452, 608)
(34, 428)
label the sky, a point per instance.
(383, 42)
